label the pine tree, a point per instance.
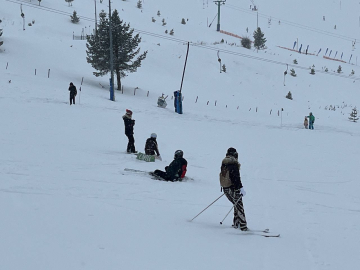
(295, 62)
(139, 4)
(293, 72)
(246, 43)
(74, 17)
(223, 68)
(353, 115)
(289, 96)
(339, 69)
(259, 40)
(125, 48)
(69, 2)
(312, 71)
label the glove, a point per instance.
(242, 191)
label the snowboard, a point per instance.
(147, 158)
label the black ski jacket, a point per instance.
(151, 147)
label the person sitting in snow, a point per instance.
(151, 146)
(73, 93)
(176, 170)
(306, 123)
(129, 131)
(311, 120)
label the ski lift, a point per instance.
(162, 101)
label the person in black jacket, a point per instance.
(176, 170)
(73, 93)
(129, 131)
(151, 146)
(231, 183)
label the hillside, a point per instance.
(67, 202)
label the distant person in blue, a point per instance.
(311, 120)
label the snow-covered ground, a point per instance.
(66, 201)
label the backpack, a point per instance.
(225, 181)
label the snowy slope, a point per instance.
(67, 202)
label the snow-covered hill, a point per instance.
(65, 199)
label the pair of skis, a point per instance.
(264, 233)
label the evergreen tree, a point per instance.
(353, 115)
(139, 4)
(69, 2)
(339, 69)
(312, 71)
(125, 48)
(259, 40)
(292, 72)
(246, 43)
(74, 17)
(289, 96)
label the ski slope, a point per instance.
(66, 201)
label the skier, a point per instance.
(306, 123)
(176, 170)
(129, 131)
(151, 146)
(73, 93)
(230, 182)
(311, 120)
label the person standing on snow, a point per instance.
(176, 170)
(129, 131)
(151, 146)
(306, 123)
(73, 93)
(230, 182)
(311, 120)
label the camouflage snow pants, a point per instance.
(234, 197)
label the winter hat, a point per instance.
(153, 135)
(128, 112)
(71, 83)
(232, 152)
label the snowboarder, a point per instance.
(311, 120)
(151, 146)
(176, 170)
(306, 123)
(230, 182)
(73, 93)
(129, 130)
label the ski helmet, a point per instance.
(153, 135)
(232, 152)
(178, 154)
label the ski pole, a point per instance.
(221, 222)
(207, 207)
